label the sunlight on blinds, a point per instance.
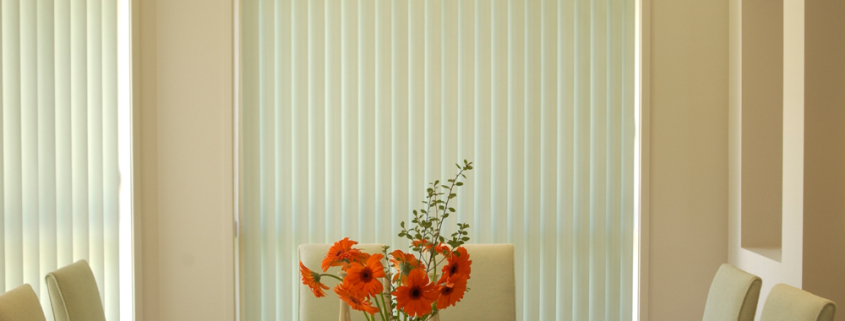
(351, 107)
(65, 145)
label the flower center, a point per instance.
(366, 275)
(416, 293)
(454, 269)
(446, 290)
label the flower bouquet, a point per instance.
(431, 277)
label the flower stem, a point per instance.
(389, 311)
(380, 309)
(333, 276)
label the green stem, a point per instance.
(380, 309)
(446, 208)
(333, 276)
(389, 311)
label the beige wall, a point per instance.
(184, 128)
(688, 157)
(762, 123)
(824, 185)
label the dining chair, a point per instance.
(326, 308)
(786, 303)
(733, 295)
(20, 304)
(74, 293)
(492, 294)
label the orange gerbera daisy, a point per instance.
(364, 277)
(416, 294)
(458, 264)
(443, 249)
(355, 298)
(312, 280)
(341, 254)
(403, 263)
(452, 291)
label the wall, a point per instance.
(184, 206)
(689, 118)
(824, 170)
(762, 124)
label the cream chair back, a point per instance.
(786, 303)
(733, 295)
(326, 308)
(20, 304)
(74, 293)
(492, 294)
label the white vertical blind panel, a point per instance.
(352, 107)
(60, 177)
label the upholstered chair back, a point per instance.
(492, 294)
(74, 294)
(20, 304)
(786, 303)
(733, 295)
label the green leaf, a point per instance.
(459, 183)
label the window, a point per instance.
(350, 107)
(66, 145)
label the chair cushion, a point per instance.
(786, 303)
(328, 307)
(74, 294)
(20, 304)
(733, 295)
(492, 285)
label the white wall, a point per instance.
(183, 121)
(788, 270)
(689, 172)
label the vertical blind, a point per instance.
(60, 179)
(351, 106)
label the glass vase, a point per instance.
(345, 311)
